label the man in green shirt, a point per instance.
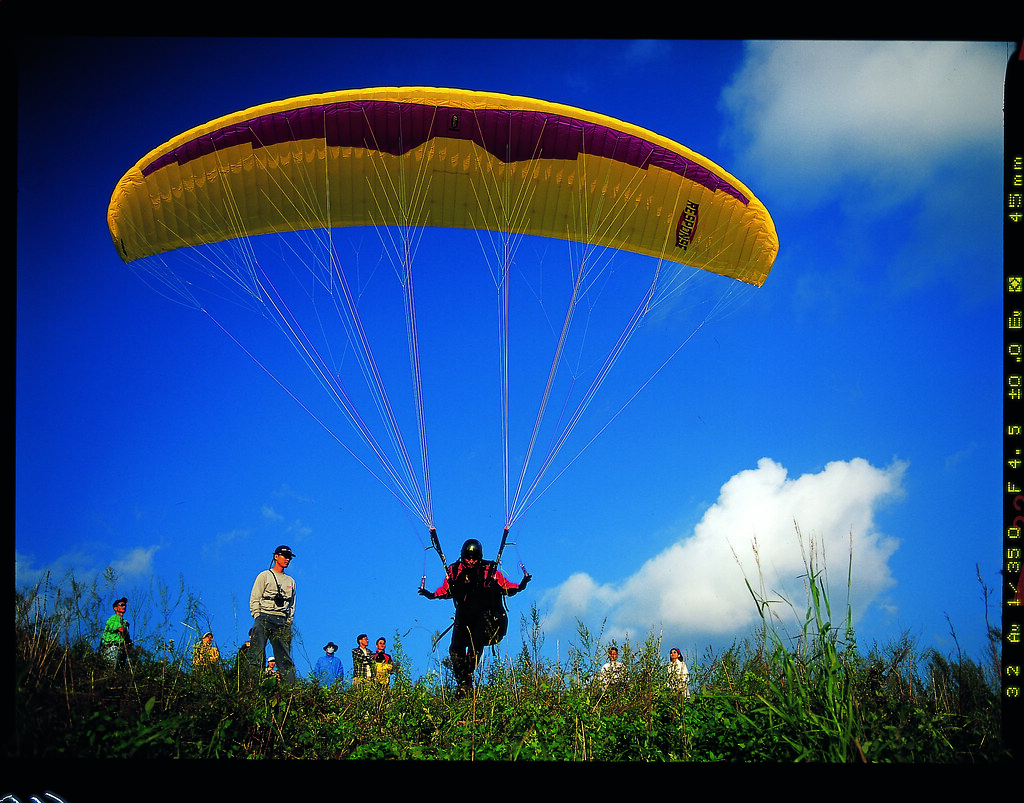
(115, 641)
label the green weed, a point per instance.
(774, 697)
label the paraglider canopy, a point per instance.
(405, 159)
(419, 156)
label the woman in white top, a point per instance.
(678, 674)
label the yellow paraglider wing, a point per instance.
(440, 157)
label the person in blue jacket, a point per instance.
(329, 669)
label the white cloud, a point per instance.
(885, 146)
(695, 588)
(885, 115)
(269, 513)
(26, 573)
(577, 596)
(85, 565)
(212, 550)
(138, 562)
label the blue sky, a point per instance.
(856, 393)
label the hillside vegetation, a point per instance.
(770, 698)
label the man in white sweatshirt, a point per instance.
(272, 605)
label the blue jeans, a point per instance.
(276, 631)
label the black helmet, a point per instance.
(472, 549)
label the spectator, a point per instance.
(272, 604)
(613, 671)
(383, 667)
(115, 641)
(328, 669)
(205, 655)
(362, 660)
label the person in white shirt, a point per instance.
(272, 605)
(678, 674)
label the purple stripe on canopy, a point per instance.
(398, 127)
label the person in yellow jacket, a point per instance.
(382, 664)
(205, 654)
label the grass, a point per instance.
(773, 697)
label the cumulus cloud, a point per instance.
(696, 586)
(884, 113)
(881, 137)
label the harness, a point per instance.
(490, 604)
(486, 600)
(278, 599)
